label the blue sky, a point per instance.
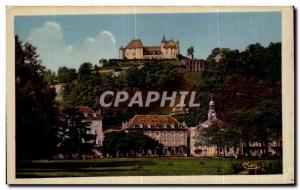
(69, 40)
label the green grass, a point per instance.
(130, 167)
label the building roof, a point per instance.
(89, 112)
(152, 49)
(208, 123)
(154, 120)
(170, 46)
(135, 43)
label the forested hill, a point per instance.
(245, 80)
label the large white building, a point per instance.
(168, 49)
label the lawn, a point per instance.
(133, 167)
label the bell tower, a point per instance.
(211, 115)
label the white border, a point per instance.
(85, 2)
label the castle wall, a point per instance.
(168, 50)
(133, 53)
(121, 54)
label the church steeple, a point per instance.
(212, 115)
(163, 39)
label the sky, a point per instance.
(70, 40)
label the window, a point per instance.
(165, 150)
(149, 133)
(157, 134)
(173, 142)
(165, 134)
(174, 134)
(97, 141)
(165, 142)
(181, 150)
(181, 134)
(181, 141)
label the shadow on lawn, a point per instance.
(68, 165)
(86, 167)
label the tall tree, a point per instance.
(36, 112)
(75, 137)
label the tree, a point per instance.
(65, 74)
(135, 77)
(190, 52)
(50, 77)
(74, 134)
(85, 69)
(128, 144)
(103, 62)
(36, 111)
(215, 136)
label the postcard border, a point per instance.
(287, 98)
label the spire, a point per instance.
(164, 38)
(211, 111)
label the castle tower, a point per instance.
(212, 115)
(121, 53)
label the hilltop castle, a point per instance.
(168, 49)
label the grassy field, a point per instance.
(132, 167)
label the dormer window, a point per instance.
(172, 126)
(149, 126)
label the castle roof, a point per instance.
(152, 49)
(136, 43)
(170, 46)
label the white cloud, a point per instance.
(89, 40)
(55, 52)
(69, 48)
(108, 33)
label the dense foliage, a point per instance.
(246, 87)
(129, 144)
(247, 91)
(42, 129)
(36, 118)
